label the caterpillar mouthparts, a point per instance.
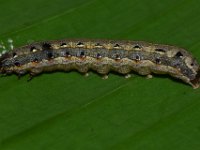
(195, 82)
(102, 56)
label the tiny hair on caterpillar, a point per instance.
(101, 56)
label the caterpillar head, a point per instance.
(195, 68)
(195, 82)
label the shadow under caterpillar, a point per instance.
(102, 56)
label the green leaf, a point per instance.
(69, 111)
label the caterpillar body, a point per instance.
(102, 56)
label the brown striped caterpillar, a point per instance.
(102, 56)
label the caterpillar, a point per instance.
(102, 56)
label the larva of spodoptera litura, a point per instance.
(102, 56)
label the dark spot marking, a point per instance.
(160, 50)
(17, 64)
(117, 57)
(82, 54)
(137, 47)
(46, 46)
(35, 60)
(179, 54)
(80, 44)
(158, 61)
(98, 55)
(67, 54)
(116, 46)
(32, 48)
(137, 57)
(63, 44)
(49, 55)
(97, 44)
(14, 54)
